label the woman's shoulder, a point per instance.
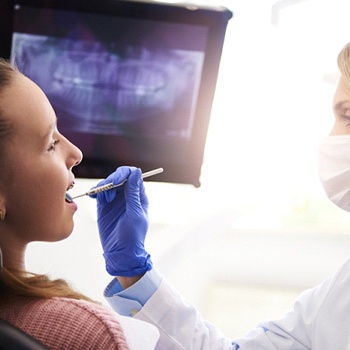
(67, 323)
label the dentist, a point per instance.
(321, 315)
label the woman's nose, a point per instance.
(75, 155)
(79, 157)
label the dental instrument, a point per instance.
(110, 185)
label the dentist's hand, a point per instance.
(123, 223)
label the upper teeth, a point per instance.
(69, 197)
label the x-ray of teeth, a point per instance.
(97, 88)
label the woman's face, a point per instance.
(341, 108)
(38, 167)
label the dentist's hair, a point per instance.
(344, 63)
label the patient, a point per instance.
(36, 164)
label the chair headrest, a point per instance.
(12, 337)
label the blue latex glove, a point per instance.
(123, 223)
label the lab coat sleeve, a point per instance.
(292, 332)
(182, 327)
(310, 324)
(179, 323)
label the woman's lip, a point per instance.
(71, 204)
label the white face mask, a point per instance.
(334, 169)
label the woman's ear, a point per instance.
(2, 208)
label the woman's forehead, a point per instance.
(24, 101)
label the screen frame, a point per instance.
(215, 18)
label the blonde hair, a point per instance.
(21, 283)
(14, 284)
(344, 63)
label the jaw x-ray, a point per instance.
(146, 87)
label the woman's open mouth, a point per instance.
(68, 198)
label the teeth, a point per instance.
(69, 198)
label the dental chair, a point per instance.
(12, 338)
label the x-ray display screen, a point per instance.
(125, 89)
(141, 79)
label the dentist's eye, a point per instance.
(346, 120)
(53, 145)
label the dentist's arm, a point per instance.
(127, 282)
(123, 224)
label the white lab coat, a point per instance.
(320, 321)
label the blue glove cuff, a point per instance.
(137, 265)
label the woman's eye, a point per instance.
(345, 117)
(53, 146)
